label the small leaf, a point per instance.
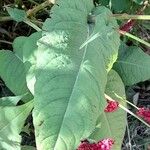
(12, 120)
(16, 14)
(29, 58)
(112, 125)
(132, 65)
(18, 46)
(28, 148)
(10, 101)
(13, 73)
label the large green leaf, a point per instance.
(70, 81)
(114, 122)
(132, 65)
(13, 73)
(12, 120)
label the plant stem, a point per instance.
(134, 37)
(28, 22)
(6, 18)
(134, 115)
(39, 7)
(133, 17)
(31, 11)
(128, 111)
(6, 42)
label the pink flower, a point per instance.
(104, 144)
(144, 113)
(112, 106)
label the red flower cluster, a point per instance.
(144, 113)
(128, 25)
(112, 106)
(104, 144)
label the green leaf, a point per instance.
(139, 1)
(113, 124)
(12, 72)
(29, 58)
(10, 101)
(11, 122)
(16, 14)
(18, 46)
(28, 148)
(70, 81)
(132, 65)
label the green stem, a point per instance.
(128, 111)
(28, 22)
(39, 7)
(134, 17)
(6, 42)
(124, 100)
(5, 18)
(134, 37)
(134, 115)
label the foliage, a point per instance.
(64, 72)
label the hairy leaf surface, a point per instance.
(70, 80)
(132, 65)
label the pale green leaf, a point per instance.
(28, 148)
(112, 125)
(10, 101)
(16, 14)
(29, 58)
(70, 82)
(12, 72)
(18, 46)
(132, 65)
(12, 120)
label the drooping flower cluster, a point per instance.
(144, 113)
(104, 144)
(112, 106)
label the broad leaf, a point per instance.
(132, 65)
(114, 122)
(70, 80)
(13, 73)
(11, 122)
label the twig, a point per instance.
(39, 7)
(28, 22)
(6, 42)
(5, 18)
(127, 110)
(133, 17)
(134, 37)
(31, 11)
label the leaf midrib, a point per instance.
(73, 85)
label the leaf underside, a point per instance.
(70, 80)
